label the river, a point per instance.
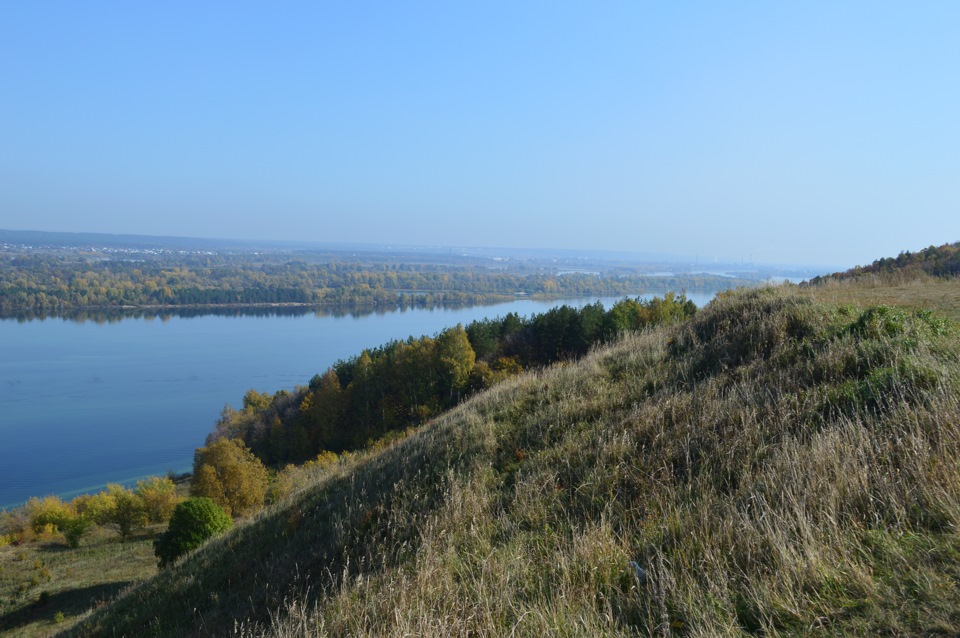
(88, 402)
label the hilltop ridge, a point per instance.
(927, 279)
(934, 261)
(775, 465)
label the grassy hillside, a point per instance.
(927, 279)
(939, 295)
(774, 466)
(935, 261)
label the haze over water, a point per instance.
(86, 403)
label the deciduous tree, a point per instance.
(229, 474)
(128, 514)
(159, 496)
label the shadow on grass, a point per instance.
(148, 533)
(70, 602)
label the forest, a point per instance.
(45, 282)
(404, 383)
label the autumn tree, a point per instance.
(96, 507)
(128, 513)
(456, 359)
(159, 496)
(254, 401)
(47, 513)
(74, 527)
(229, 474)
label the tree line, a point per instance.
(47, 283)
(404, 383)
(117, 508)
(935, 261)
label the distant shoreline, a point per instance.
(491, 299)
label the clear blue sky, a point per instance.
(816, 133)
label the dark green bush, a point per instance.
(193, 522)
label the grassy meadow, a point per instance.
(45, 586)
(930, 293)
(778, 465)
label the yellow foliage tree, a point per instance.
(457, 358)
(48, 513)
(159, 496)
(231, 476)
(97, 507)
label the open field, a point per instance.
(43, 579)
(940, 295)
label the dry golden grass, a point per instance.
(775, 466)
(939, 295)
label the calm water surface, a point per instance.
(87, 403)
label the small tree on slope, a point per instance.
(193, 522)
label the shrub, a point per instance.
(159, 496)
(128, 513)
(285, 482)
(325, 459)
(97, 507)
(15, 527)
(47, 514)
(193, 522)
(294, 477)
(74, 528)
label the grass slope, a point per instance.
(940, 295)
(928, 279)
(775, 466)
(45, 586)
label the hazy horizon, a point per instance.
(222, 243)
(818, 134)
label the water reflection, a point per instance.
(115, 315)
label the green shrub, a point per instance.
(128, 514)
(74, 528)
(193, 522)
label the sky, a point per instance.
(820, 133)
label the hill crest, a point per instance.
(933, 261)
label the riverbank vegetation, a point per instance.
(60, 558)
(403, 384)
(46, 283)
